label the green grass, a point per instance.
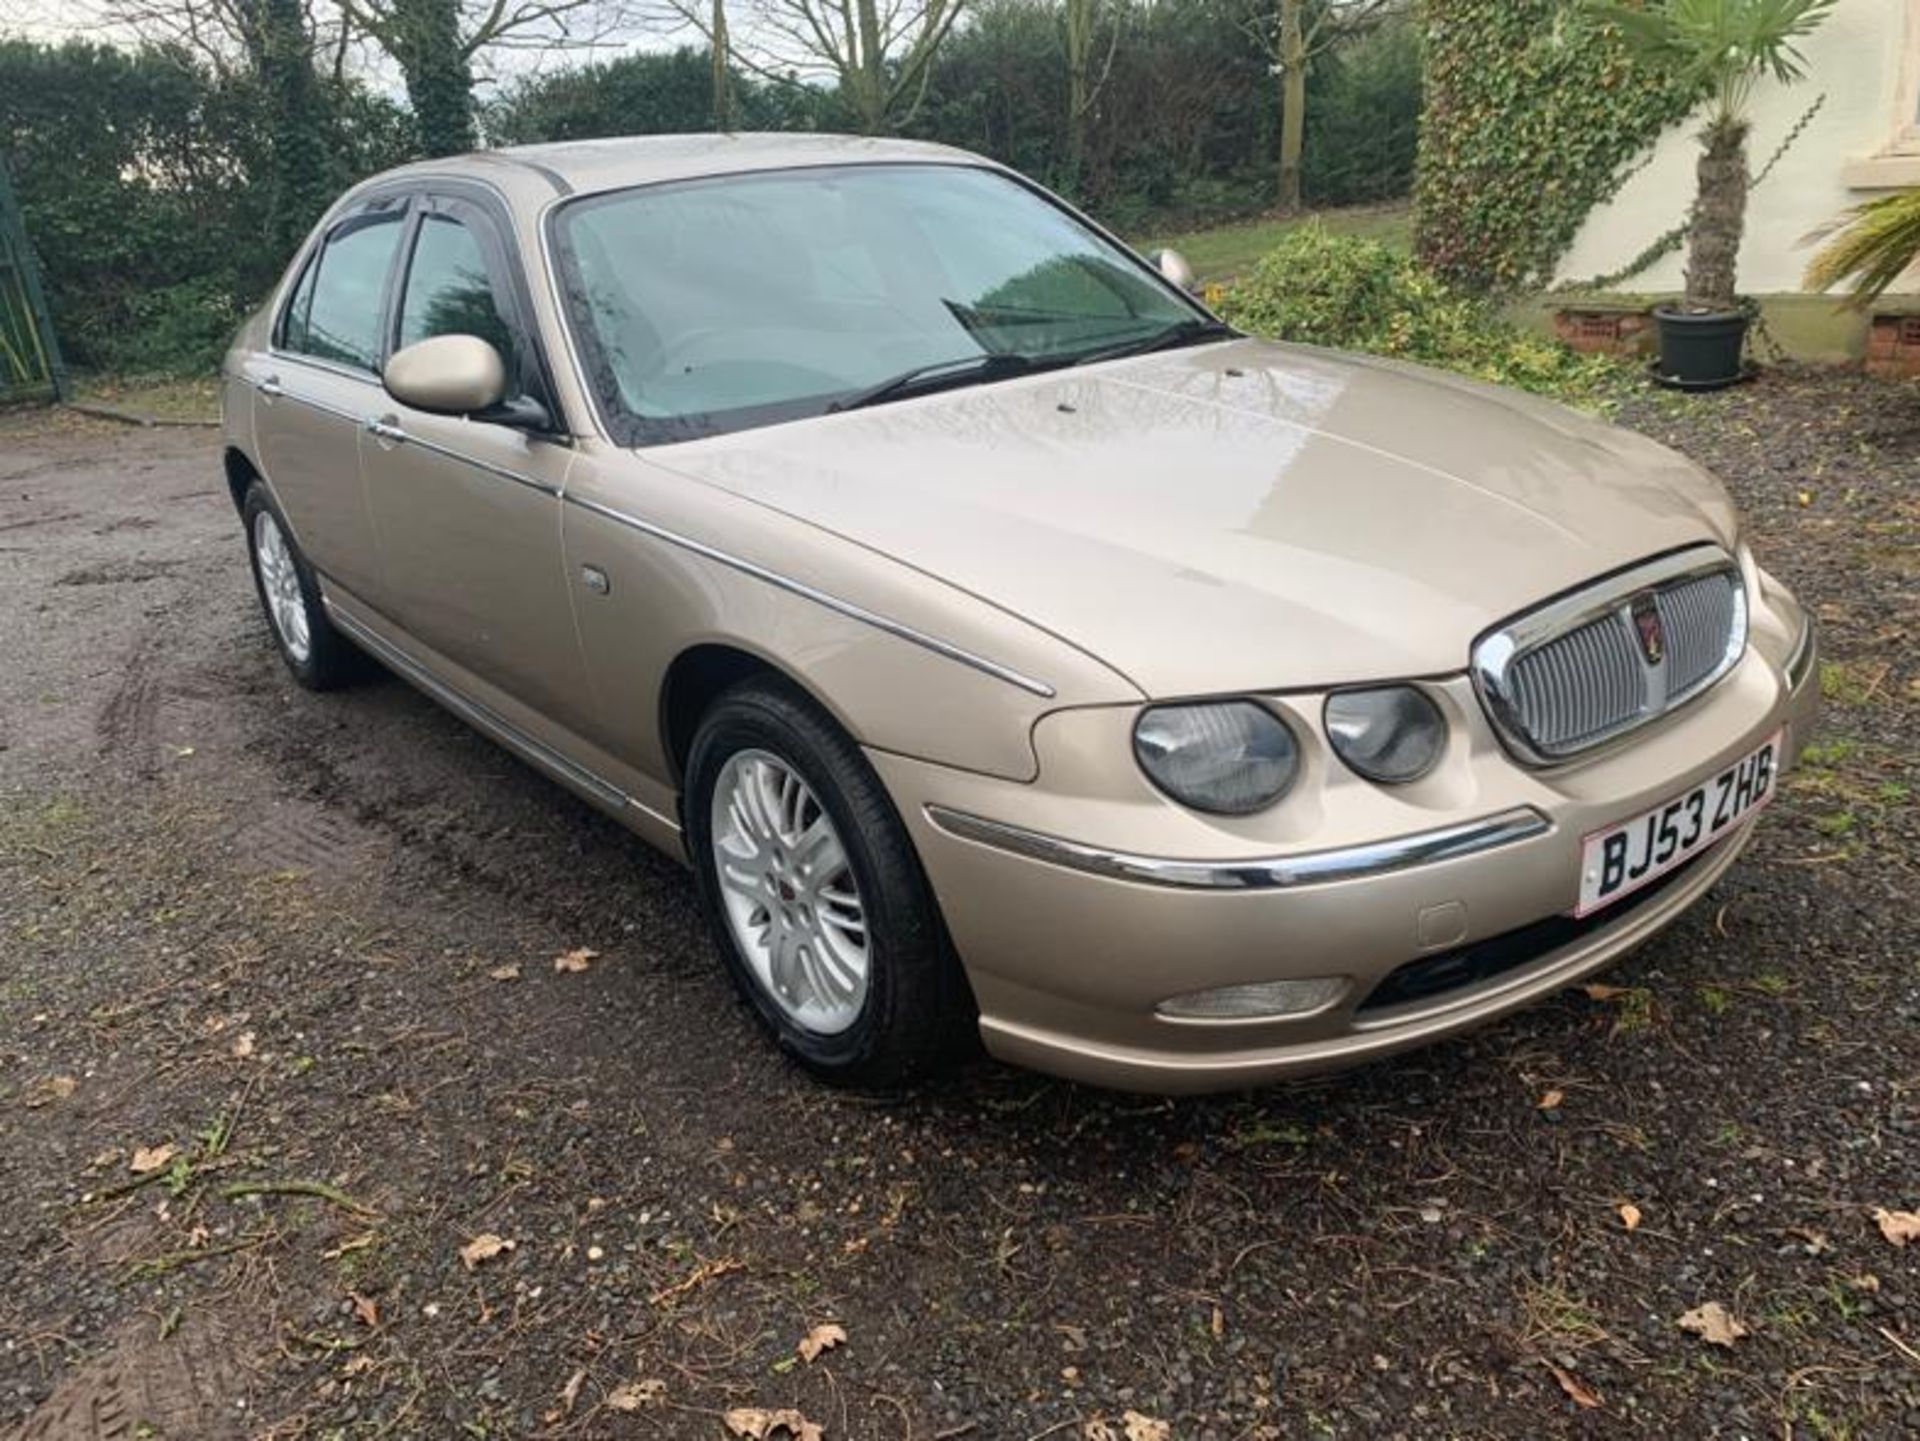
(161, 397)
(1227, 251)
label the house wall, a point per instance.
(1865, 140)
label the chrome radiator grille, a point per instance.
(1613, 656)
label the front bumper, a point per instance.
(1071, 956)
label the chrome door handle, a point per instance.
(385, 430)
(271, 387)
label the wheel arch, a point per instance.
(241, 474)
(699, 675)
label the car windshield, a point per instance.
(719, 304)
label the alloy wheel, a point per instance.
(788, 892)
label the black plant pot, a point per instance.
(1700, 350)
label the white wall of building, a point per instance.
(1866, 60)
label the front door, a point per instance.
(466, 512)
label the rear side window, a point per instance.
(340, 319)
(449, 290)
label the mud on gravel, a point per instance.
(281, 1034)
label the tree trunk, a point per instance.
(867, 79)
(722, 69)
(433, 62)
(1293, 101)
(1719, 216)
(1079, 20)
(299, 179)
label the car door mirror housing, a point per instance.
(448, 375)
(1175, 267)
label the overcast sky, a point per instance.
(50, 20)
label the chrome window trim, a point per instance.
(313, 362)
(400, 435)
(834, 603)
(1259, 873)
(396, 434)
(1495, 653)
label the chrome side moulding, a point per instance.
(1259, 873)
(1496, 653)
(399, 435)
(819, 597)
(485, 718)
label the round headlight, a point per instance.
(1231, 758)
(1392, 735)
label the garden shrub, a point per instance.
(1318, 288)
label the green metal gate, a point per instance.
(30, 365)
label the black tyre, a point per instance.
(816, 897)
(317, 654)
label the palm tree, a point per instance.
(1879, 241)
(1723, 49)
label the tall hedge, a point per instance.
(1534, 113)
(155, 195)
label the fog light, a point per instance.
(1262, 1000)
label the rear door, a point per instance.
(317, 385)
(466, 511)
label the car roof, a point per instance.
(587, 166)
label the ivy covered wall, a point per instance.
(1534, 114)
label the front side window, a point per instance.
(449, 290)
(340, 320)
(713, 305)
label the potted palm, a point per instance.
(1722, 49)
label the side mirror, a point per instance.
(1173, 266)
(448, 375)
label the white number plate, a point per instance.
(1622, 858)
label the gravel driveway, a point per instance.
(282, 1036)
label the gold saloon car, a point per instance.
(1012, 649)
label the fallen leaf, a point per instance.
(575, 960)
(1898, 1227)
(484, 1247)
(823, 1337)
(242, 1046)
(1629, 1215)
(570, 1392)
(1550, 1100)
(633, 1395)
(1600, 991)
(759, 1425)
(54, 1088)
(1136, 1427)
(1577, 1390)
(148, 1159)
(1713, 1323)
(508, 972)
(366, 1309)
(1097, 1429)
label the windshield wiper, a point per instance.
(943, 374)
(1181, 332)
